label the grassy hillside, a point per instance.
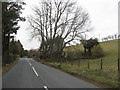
(108, 75)
(110, 49)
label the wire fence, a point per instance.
(90, 63)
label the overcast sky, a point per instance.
(103, 14)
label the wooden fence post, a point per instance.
(101, 64)
(88, 64)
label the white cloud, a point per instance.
(104, 15)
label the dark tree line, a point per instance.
(16, 48)
(10, 17)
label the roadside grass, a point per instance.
(109, 73)
(1, 72)
(0, 65)
(8, 67)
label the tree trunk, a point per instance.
(89, 50)
(85, 50)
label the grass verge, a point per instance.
(8, 67)
(93, 76)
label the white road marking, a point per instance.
(30, 64)
(27, 60)
(45, 87)
(35, 71)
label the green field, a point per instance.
(108, 75)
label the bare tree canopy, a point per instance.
(57, 23)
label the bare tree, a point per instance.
(58, 23)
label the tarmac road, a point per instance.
(28, 73)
